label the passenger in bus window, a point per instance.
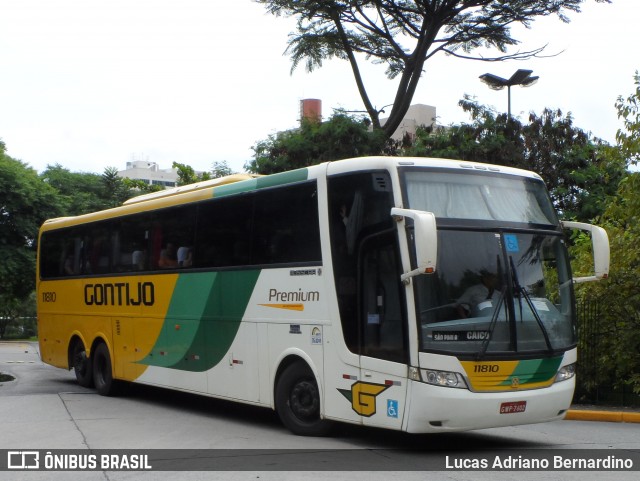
(69, 267)
(138, 258)
(185, 256)
(168, 258)
(479, 296)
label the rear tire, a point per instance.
(297, 400)
(81, 364)
(102, 373)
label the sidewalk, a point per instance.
(602, 413)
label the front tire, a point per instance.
(297, 400)
(81, 364)
(102, 373)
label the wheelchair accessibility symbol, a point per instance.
(511, 241)
(392, 408)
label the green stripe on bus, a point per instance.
(534, 370)
(290, 177)
(211, 307)
(273, 180)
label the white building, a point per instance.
(150, 173)
(418, 115)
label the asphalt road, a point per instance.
(44, 409)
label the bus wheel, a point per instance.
(102, 374)
(81, 364)
(298, 402)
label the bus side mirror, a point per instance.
(425, 240)
(600, 242)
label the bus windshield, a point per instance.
(503, 283)
(479, 196)
(497, 293)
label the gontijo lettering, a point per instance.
(119, 294)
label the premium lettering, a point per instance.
(293, 296)
(119, 294)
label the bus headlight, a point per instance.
(566, 372)
(443, 378)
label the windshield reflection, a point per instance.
(497, 293)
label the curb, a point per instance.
(608, 416)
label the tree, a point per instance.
(136, 187)
(404, 35)
(19, 316)
(79, 193)
(116, 191)
(581, 172)
(82, 192)
(619, 321)
(25, 202)
(186, 174)
(340, 137)
(629, 137)
(220, 169)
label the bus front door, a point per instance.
(381, 396)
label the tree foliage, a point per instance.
(134, 187)
(404, 35)
(116, 190)
(78, 193)
(84, 192)
(220, 169)
(341, 136)
(25, 202)
(619, 321)
(581, 172)
(186, 174)
(618, 327)
(629, 111)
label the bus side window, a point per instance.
(222, 233)
(131, 251)
(173, 229)
(381, 311)
(359, 206)
(285, 225)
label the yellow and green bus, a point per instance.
(412, 294)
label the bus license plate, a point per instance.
(513, 407)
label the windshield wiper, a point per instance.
(521, 292)
(492, 325)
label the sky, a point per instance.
(90, 84)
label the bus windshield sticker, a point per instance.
(511, 240)
(316, 336)
(460, 335)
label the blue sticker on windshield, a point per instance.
(511, 241)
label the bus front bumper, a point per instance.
(442, 409)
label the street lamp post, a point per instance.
(521, 77)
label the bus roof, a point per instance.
(374, 162)
(205, 184)
(238, 183)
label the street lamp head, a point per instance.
(494, 82)
(521, 77)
